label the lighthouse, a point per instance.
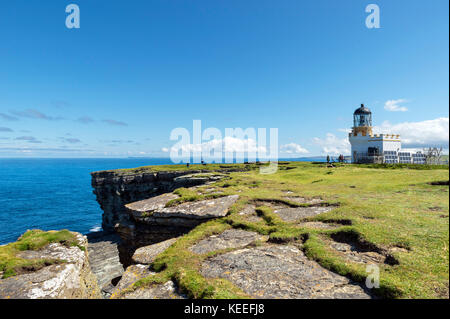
(367, 147)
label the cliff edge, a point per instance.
(47, 265)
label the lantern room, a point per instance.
(362, 117)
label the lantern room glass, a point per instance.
(362, 120)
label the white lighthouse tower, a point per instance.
(370, 148)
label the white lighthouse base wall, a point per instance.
(383, 142)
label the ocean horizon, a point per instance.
(56, 193)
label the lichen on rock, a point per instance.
(71, 278)
(280, 271)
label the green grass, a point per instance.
(189, 195)
(11, 264)
(180, 168)
(403, 166)
(385, 205)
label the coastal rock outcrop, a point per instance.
(151, 222)
(168, 290)
(188, 214)
(147, 254)
(69, 279)
(149, 218)
(104, 260)
(114, 189)
(231, 238)
(280, 271)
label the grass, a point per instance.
(387, 206)
(11, 264)
(403, 166)
(180, 168)
(182, 266)
(189, 195)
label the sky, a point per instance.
(136, 70)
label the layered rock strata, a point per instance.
(114, 189)
(70, 279)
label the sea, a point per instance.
(54, 194)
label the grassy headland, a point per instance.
(395, 210)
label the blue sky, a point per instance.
(135, 70)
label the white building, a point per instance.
(378, 148)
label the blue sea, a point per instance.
(52, 194)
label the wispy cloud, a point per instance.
(71, 140)
(7, 117)
(5, 129)
(293, 148)
(114, 122)
(44, 149)
(393, 105)
(34, 114)
(29, 139)
(117, 141)
(85, 120)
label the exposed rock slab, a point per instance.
(114, 189)
(68, 280)
(167, 290)
(132, 274)
(248, 210)
(230, 238)
(149, 226)
(147, 254)
(104, 259)
(189, 214)
(355, 249)
(275, 271)
(292, 214)
(354, 254)
(199, 178)
(147, 206)
(304, 200)
(319, 225)
(249, 214)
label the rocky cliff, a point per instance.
(153, 220)
(114, 189)
(64, 274)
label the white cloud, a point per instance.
(413, 134)
(227, 144)
(416, 134)
(293, 148)
(333, 145)
(393, 105)
(165, 149)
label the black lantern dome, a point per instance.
(362, 117)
